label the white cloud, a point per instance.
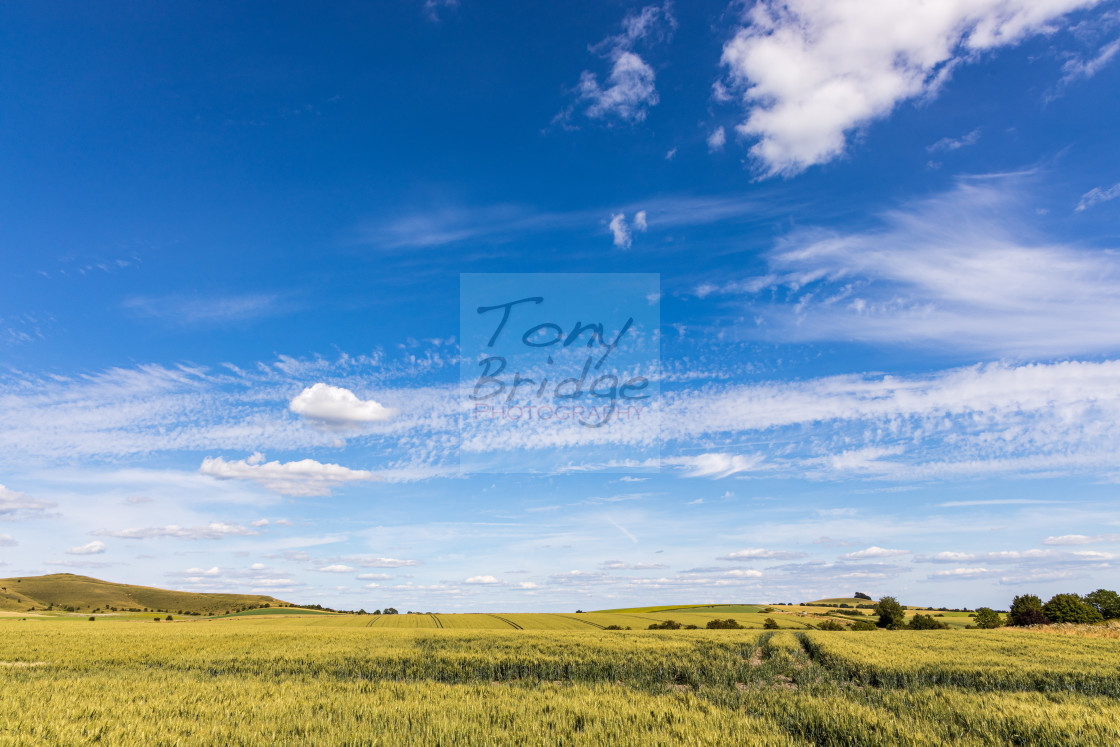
(810, 71)
(743, 573)
(335, 407)
(716, 466)
(959, 271)
(875, 552)
(374, 576)
(1078, 68)
(368, 562)
(485, 580)
(640, 223)
(620, 231)
(1098, 195)
(761, 553)
(951, 143)
(92, 548)
(6, 540)
(336, 568)
(190, 310)
(215, 530)
(15, 505)
(1081, 539)
(717, 140)
(433, 8)
(306, 477)
(618, 565)
(631, 87)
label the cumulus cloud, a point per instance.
(92, 548)
(620, 231)
(15, 505)
(630, 88)
(808, 72)
(6, 540)
(484, 580)
(336, 568)
(337, 408)
(212, 531)
(306, 477)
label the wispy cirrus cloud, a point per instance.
(212, 531)
(958, 271)
(191, 310)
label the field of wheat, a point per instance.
(276, 680)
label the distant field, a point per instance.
(452, 679)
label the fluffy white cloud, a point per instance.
(620, 231)
(484, 580)
(306, 477)
(6, 540)
(810, 71)
(215, 530)
(336, 568)
(630, 88)
(335, 407)
(875, 552)
(92, 548)
(16, 505)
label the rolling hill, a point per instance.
(65, 591)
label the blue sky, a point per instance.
(886, 235)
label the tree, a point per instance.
(1069, 608)
(770, 624)
(864, 625)
(667, 625)
(1026, 609)
(389, 611)
(728, 624)
(987, 618)
(1106, 602)
(861, 595)
(926, 622)
(891, 614)
(831, 625)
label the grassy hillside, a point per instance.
(65, 591)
